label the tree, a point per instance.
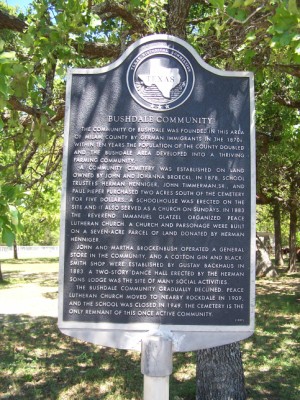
(278, 152)
(277, 233)
(264, 266)
(10, 218)
(41, 213)
(232, 34)
(219, 373)
(293, 207)
(31, 146)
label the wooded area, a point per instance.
(38, 46)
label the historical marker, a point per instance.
(158, 210)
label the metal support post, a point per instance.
(156, 366)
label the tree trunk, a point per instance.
(1, 276)
(178, 11)
(220, 374)
(15, 251)
(292, 244)
(264, 266)
(277, 233)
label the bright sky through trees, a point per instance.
(23, 4)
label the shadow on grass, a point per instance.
(22, 261)
(38, 362)
(271, 355)
(15, 277)
(4, 283)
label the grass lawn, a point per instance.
(38, 362)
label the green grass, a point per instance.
(41, 271)
(38, 362)
(272, 355)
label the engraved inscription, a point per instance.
(148, 218)
(157, 194)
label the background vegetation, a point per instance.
(38, 45)
(36, 48)
(38, 362)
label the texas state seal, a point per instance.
(160, 78)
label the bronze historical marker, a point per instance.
(158, 211)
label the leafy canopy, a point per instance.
(37, 47)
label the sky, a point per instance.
(21, 3)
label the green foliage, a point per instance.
(41, 214)
(10, 218)
(235, 35)
(264, 221)
(285, 30)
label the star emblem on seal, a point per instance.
(160, 79)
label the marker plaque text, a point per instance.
(159, 196)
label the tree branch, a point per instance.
(60, 113)
(33, 149)
(248, 18)
(281, 99)
(98, 50)
(112, 9)
(48, 91)
(10, 22)
(49, 170)
(289, 69)
(18, 106)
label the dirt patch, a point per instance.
(30, 289)
(288, 284)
